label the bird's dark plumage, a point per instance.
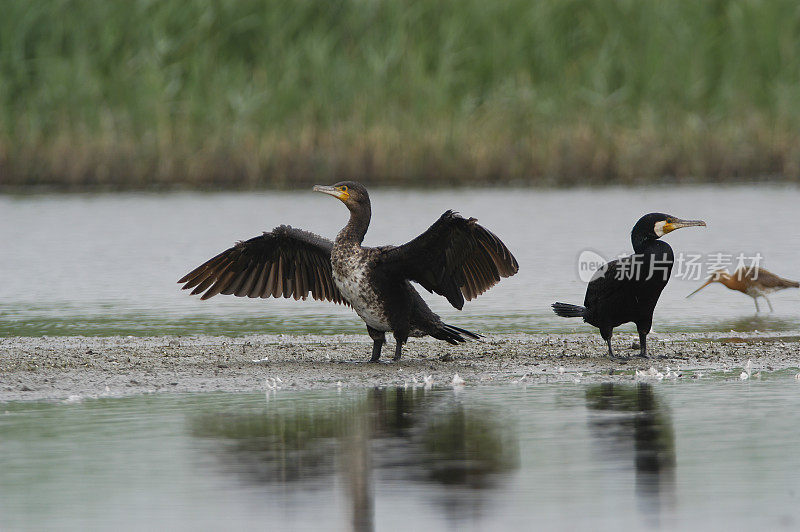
(566, 310)
(285, 262)
(627, 289)
(455, 257)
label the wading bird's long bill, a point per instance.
(704, 285)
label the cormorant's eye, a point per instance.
(343, 188)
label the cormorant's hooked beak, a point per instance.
(332, 191)
(677, 224)
(711, 280)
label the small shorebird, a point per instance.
(753, 281)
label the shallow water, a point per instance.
(107, 264)
(699, 455)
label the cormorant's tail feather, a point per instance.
(565, 310)
(454, 335)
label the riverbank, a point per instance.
(75, 368)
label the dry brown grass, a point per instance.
(477, 154)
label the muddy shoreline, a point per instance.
(74, 368)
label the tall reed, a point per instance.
(251, 93)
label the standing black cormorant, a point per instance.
(455, 257)
(627, 289)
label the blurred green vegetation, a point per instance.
(289, 92)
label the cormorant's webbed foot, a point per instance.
(398, 351)
(614, 356)
(376, 350)
(610, 351)
(643, 345)
(378, 338)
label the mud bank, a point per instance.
(81, 367)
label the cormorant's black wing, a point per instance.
(286, 262)
(633, 276)
(606, 283)
(455, 257)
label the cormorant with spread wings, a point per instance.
(456, 258)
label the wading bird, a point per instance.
(627, 289)
(455, 257)
(755, 282)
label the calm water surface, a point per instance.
(108, 264)
(700, 455)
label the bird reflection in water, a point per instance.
(394, 435)
(629, 420)
(751, 323)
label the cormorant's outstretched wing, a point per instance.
(286, 262)
(455, 257)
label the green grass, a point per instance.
(289, 92)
